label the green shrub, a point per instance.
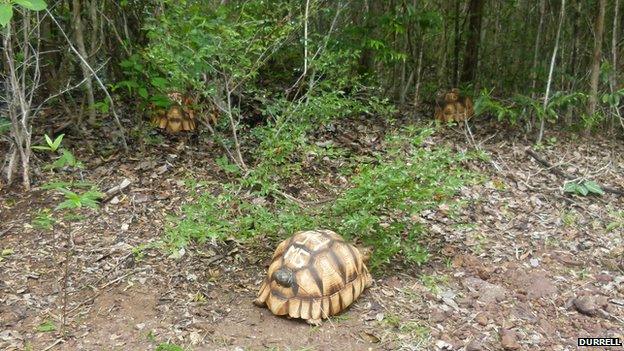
(380, 207)
(377, 210)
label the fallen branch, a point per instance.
(553, 169)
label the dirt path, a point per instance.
(519, 267)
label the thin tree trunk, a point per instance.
(595, 68)
(94, 27)
(550, 72)
(419, 74)
(305, 37)
(471, 56)
(456, 49)
(613, 79)
(79, 37)
(575, 41)
(538, 37)
(22, 87)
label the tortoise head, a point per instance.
(284, 277)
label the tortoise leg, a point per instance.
(259, 303)
(314, 321)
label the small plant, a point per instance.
(557, 102)
(169, 347)
(583, 188)
(46, 326)
(6, 253)
(485, 104)
(433, 282)
(617, 222)
(52, 145)
(569, 218)
(44, 220)
(65, 159)
(392, 320)
(74, 200)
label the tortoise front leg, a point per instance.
(314, 321)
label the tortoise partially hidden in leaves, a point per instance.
(179, 117)
(313, 275)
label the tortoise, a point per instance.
(179, 117)
(455, 108)
(313, 275)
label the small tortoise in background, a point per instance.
(313, 275)
(455, 107)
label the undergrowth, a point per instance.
(378, 209)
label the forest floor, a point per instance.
(521, 266)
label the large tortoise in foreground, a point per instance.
(313, 275)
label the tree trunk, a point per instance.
(367, 58)
(595, 68)
(471, 55)
(79, 37)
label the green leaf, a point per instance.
(593, 187)
(46, 326)
(6, 13)
(35, 5)
(143, 92)
(160, 101)
(569, 187)
(159, 82)
(49, 141)
(57, 142)
(41, 147)
(582, 189)
(168, 347)
(613, 225)
(6, 252)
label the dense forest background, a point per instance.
(95, 62)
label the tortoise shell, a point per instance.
(456, 108)
(313, 275)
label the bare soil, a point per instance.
(521, 266)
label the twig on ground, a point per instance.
(58, 341)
